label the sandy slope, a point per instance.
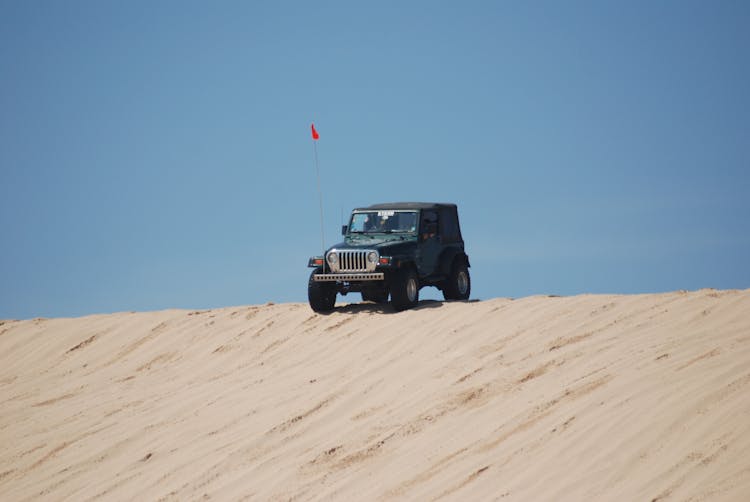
(643, 397)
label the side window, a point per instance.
(449, 224)
(429, 224)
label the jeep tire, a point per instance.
(404, 289)
(458, 284)
(321, 295)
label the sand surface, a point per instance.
(592, 397)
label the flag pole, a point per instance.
(315, 137)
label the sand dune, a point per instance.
(593, 397)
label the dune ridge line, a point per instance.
(588, 397)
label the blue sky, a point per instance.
(158, 154)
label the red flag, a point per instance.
(315, 134)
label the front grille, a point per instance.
(352, 261)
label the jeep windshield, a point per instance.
(383, 222)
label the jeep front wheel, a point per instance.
(321, 295)
(458, 284)
(404, 289)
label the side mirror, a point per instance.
(344, 228)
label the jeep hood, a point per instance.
(385, 244)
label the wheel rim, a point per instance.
(462, 282)
(411, 289)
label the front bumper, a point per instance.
(365, 276)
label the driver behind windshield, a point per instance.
(393, 223)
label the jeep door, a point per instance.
(428, 250)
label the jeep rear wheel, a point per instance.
(321, 295)
(404, 289)
(458, 284)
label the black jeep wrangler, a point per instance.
(393, 249)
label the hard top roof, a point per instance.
(407, 205)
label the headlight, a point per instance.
(372, 257)
(332, 258)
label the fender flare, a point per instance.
(449, 256)
(405, 263)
